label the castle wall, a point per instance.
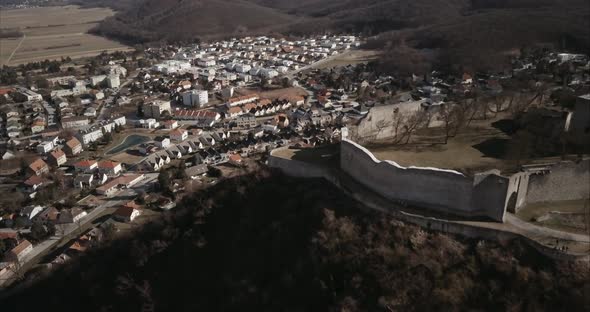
(446, 191)
(561, 181)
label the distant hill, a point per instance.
(472, 26)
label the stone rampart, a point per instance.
(445, 191)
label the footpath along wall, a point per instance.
(446, 191)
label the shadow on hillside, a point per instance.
(508, 126)
(493, 148)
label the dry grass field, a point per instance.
(53, 32)
(350, 57)
(460, 153)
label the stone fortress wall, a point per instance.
(560, 181)
(444, 191)
(487, 194)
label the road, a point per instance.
(15, 49)
(110, 101)
(67, 232)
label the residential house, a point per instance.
(71, 215)
(74, 122)
(178, 135)
(149, 123)
(110, 168)
(73, 147)
(86, 166)
(33, 183)
(170, 124)
(162, 142)
(45, 147)
(127, 212)
(38, 167)
(236, 101)
(196, 171)
(37, 126)
(108, 188)
(246, 121)
(185, 148)
(49, 214)
(83, 181)
(57, 158)
(31, 211)
(235, 159)
(18, 253)
(234, 112)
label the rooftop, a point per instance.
(21, 247)
(37, 164)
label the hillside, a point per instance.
(267, 242)
(442, 32)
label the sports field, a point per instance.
(53, 32)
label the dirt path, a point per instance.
(15, 49)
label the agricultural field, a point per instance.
(52, 33)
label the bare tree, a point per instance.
(413, 122)
(16, 268)
(381, 125)
(521, 103)
(498, 104)
(449, 114)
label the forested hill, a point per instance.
(467, 19)
(267, 242)
(474, 33)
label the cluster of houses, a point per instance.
(71, 101)
(245, 58)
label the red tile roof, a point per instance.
(234, 110)
(33, 180)
(85, 163)
(235, 157)
(37, 164)
(21, 247)
(108, 164)
(73, 142)
(57, 154)
(177, 132)
(124, 211)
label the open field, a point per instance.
(327, 155)
(349, 57)
(460, 153)
(273, 94)
(52, 33)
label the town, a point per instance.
(92, 149)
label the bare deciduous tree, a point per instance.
(413, 122)
(450, 115)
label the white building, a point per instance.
(27, 95)
(45, 147)
(74, 122)
(97, 80)
(113, 81)
(196, 98)
(89, 135)
(178, 135)
(156, 108)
